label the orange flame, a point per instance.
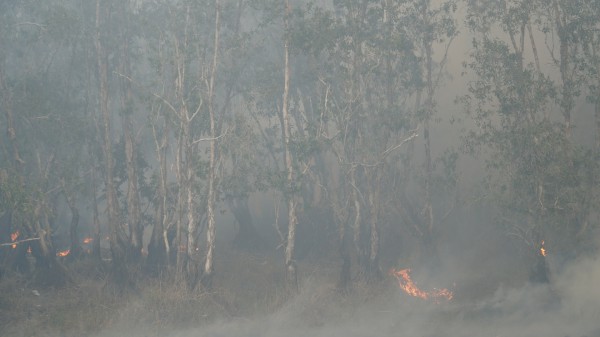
(63, 253)
(409, 287)
(13, 237)
(88, 240)
(29, 250)
(543, 250)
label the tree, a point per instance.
(431, 28)
(117, 237)
(133, 202)
(541, 178)
(212, 165)
(48, 156)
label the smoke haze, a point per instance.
(567, 306)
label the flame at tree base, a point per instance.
(543, 249)
(409, 287)
(13, 237)
(63, 253)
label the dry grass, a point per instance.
(246, 286)
(73, 311)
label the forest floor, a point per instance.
(246, 287)
(248, 300)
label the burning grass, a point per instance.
(407, 285)
(249, 299)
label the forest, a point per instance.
(299, 167)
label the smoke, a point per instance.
(567, 306)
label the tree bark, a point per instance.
(119, 274)
(290, 258)
(429, 106)
(74, 247)
(565, 68)
(247, 236)
(95, 216)
(342, 216)
(49, 271)
(136, 230)
(373, 271)
(212, 171)
(158, 247)
(191, 260)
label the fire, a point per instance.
(409, 287)
(63, 253)
(29, 250)
(88, 240)
(13, 237)
(543, 250)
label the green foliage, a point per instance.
(13, 196)
(541, 179)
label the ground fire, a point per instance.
(409, 287)
(13, 237)
(543, 250)
(63, 253)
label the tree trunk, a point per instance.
(597, 120)
(212, 170)
(120, 274)
(191, 260)
(180, 240)
(567, 99)
(357, 227)
(49, 271)
(247, 236)
(74, 248)
(373, 271)
(158, 248)
(96, 249)
(17, 257)
(290, 258)
(136, 230)
(429, 106)
(345, 278)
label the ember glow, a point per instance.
(543, 250)
(409, 287)
(88, 240)
(13, 238)
(63, 253)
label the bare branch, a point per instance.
(164, 100)
(211, 138)
(18, 242)
(405, 140)
(27, 23)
